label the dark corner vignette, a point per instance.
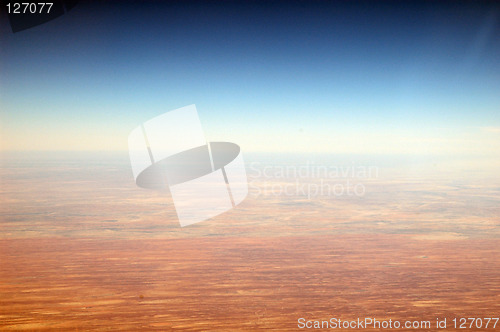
(26, 15)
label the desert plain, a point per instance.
(83, 248)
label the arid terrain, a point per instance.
(82, 248)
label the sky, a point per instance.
(343, 77)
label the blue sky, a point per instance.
(278, 76)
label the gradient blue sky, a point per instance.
(380, 77)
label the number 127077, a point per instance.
(474, 323)
(29, 7)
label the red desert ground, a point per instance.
(82, 248)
